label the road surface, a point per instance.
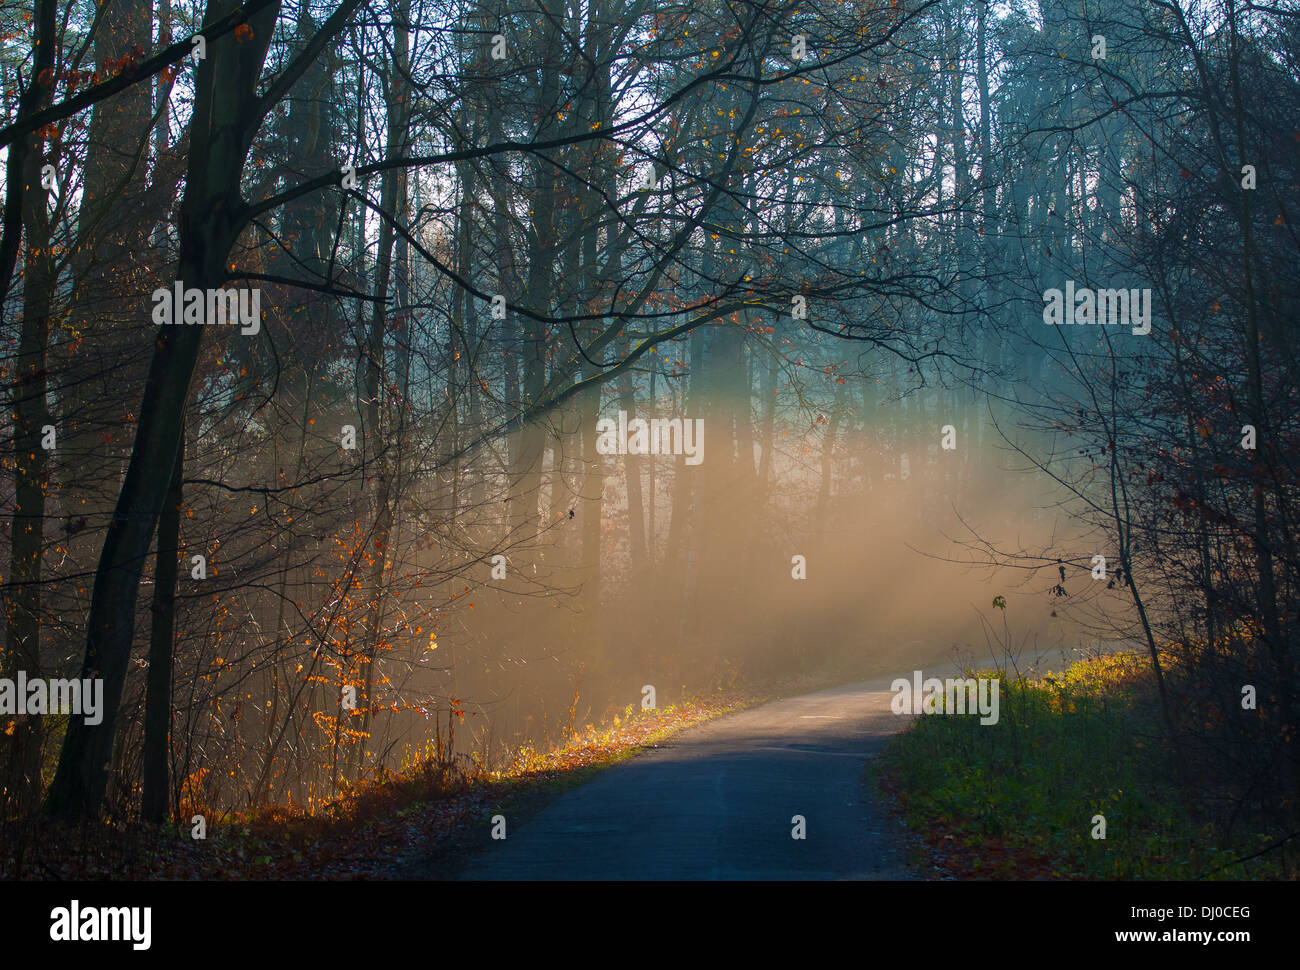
(716, 801)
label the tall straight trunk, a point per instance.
(768, 386)
(653, 466)
(459, 346)
(635, 501)
(525, 491)
(18, 187)
(155, 770)
(161, 136)
(116, 160)
(158, 685)
(828, 462)
(469, 324)
(29, 414)
(392, 200)
(957, 120)
(963, 236)
(682, 539)
(990, 234)
(744, 415)
(593, 487)
(593, 496)
(725, 477)
(767, 429)
(261, 788)
(359, 245)
(113, 220)
(683, 479)
(507, 274)
(987, 190)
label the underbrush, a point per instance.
(1019, 799)
(412, 823)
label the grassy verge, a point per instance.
(1017, 799)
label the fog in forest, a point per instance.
(324, 329)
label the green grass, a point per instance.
(1016, 799)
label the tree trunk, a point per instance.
(107, 265)
(525, 488)
(158, 686)
(23, 606)
(635, 501)
(392, 200)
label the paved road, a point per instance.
(716, 801)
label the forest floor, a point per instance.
(411, 825)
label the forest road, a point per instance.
(717, 801)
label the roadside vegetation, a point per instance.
(418, 822)
(1018, 799)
